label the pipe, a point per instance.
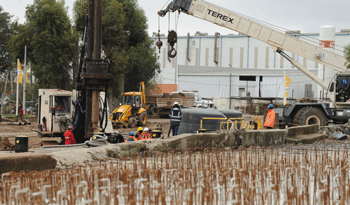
(215, 48)
(230, 91)
(188, 47)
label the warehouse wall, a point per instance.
(215, 82)
(236, 51)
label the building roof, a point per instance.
(164, 88)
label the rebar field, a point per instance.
(275, 175)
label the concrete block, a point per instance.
(193, 141)
(263, 137)
(293, 132)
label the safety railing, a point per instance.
(227, 123)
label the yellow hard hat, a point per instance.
(139, 129)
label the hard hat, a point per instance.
(146, 129)
(139, 129)
(131, 133)
(270, 106)
(70, 127)
(176, 103)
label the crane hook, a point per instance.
(172, 39)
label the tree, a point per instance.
(347, 51)
(51, 42)
(6, 30)
(125, 42)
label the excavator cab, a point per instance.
(132, 100)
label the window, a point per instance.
(62, 104)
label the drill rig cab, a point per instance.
(55, 111)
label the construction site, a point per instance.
(224, 122)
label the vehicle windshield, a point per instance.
(128, 99)
(62, 104)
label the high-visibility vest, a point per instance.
(145, 136)
(270, 118)
(131, 139)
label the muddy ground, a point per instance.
(34, 141)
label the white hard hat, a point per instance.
(176, 103)
(145, 129)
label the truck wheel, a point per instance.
(142, 119)
(154, 111)
(131, 122)
(310, 116)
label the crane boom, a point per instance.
(277, 40)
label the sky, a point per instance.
(305, 15)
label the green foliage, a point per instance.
(125, 42)
(347, 51)
(6, 30)
(51, 43)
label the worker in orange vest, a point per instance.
(270, 118)
(131, 137)
(139, 133)
(145, 135)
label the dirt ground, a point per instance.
(34, 141)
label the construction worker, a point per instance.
(69, 136)
(270, 117)
(175, 118)
(131, 137)
(146, 135)
(139, 133)
(20, 113)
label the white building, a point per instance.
(196, 67)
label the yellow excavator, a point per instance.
(132, 111)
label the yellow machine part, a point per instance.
(125, 113)
(125, 110)
(141, 110)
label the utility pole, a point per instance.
(11, 82)
(17, 90)
(24, 79)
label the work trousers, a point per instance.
(175, 129)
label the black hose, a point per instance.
(104, 112)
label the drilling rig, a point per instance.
(92, 77)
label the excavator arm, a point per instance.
(278, 41)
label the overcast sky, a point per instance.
(305, 15)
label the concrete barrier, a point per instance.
(263, 137)
(293, 132)
(193, 141)
(26, 162)
(306, 134)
